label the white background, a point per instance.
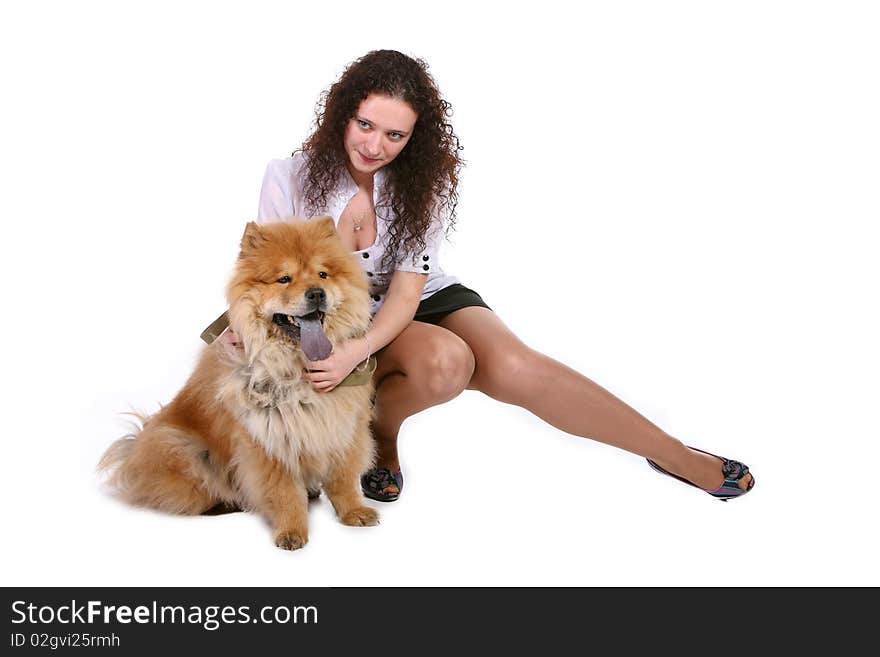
(677, 199)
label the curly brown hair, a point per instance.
(422, 179)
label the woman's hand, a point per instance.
(326, 374)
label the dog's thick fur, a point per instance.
(247, 429)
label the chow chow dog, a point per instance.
(248, 430)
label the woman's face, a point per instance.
(377, 133)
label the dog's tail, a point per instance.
(114, 464)
(159, 467)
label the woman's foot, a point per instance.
(708, 474)
(703, 470)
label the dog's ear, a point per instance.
(324, 226)
(253, 238)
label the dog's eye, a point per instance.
(283, 279)
(322, 274)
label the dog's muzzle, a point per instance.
(308, 329)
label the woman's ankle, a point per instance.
(386, 452)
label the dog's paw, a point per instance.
(362, 516)
(290, 540)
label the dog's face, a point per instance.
(298, 279)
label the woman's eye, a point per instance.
(283, 280)
(396, 136)
(363, 124)
(322, 274)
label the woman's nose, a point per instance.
(374, 144)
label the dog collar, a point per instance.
(360, 374)
(358, 377)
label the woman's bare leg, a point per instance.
(424, 366)
(508, 370)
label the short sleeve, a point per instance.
(426, 260)
(276, 194)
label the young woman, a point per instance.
(383, 162)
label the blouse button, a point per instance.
(425, 258)
(426, 267)
(366, 255)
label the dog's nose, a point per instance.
(316, 295)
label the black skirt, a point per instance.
(455, 297)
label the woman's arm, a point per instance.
(401, 301)
(276, 193)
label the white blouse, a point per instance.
(282, 199)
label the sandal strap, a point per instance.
(733, 470)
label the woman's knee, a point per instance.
(446, 367)
(512, 376)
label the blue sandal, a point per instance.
(733, 471)
(375, 482)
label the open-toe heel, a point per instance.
(375, 484)
(733, 472)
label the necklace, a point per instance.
(357, 221)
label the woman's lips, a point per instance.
(368, 160)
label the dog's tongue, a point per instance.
(312, 341)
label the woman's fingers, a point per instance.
(322, 380)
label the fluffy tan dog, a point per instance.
(247, 429)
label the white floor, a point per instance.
(685, 192)
(492, 497)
